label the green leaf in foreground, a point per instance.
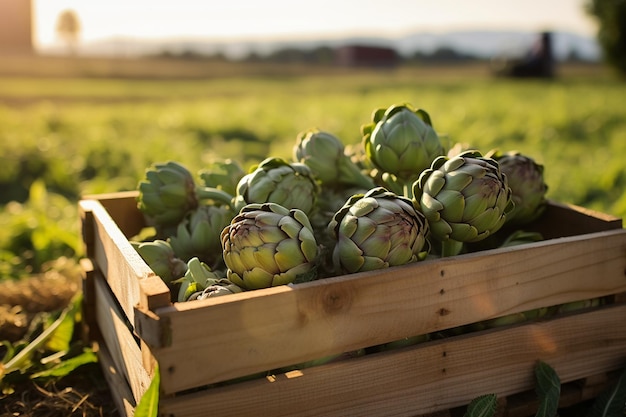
(483, 406)
(22, 359)
(612, 402)
(65, 367)
(548, 390)
(149, 403)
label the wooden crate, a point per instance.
(201, 344)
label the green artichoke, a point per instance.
(198, 235)
(465, 199)
(401, 141)
(325, 155)
(160, 257)
(267, 245)
(168, 192)
(224, 175)
(198, 277)
(276, 181)
(377, 230)
(218, 289)
(527, 184)
(521, 237)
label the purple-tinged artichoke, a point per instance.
(377, 230)
(527, 184)
(267, 245)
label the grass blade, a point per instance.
(24, 355)
(65, 367)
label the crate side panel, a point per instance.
(267, 329)
(122, 207)
(120, 342)
(427, 378)
(120, 391)
(562, 220)
(126, 272)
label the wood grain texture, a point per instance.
(120, 391)
(121, 344)
(268, 329)
(427, 378)
(130, 279)
(206, 342)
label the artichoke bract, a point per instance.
(160, 257)
(325, 155)
(377, 230)
(198, 235)
(527, 184)
(198, 277)
(168, 192)
(291, 185)
(401, 141)
(267, 245)
(223, 174)
(465, 199)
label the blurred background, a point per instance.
(245, 30)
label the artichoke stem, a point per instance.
(215, 194)
(351, 174)
(408, 190)
(451, 248)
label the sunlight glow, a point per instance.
(276, 19)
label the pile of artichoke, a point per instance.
(399, 197)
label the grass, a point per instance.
(97, 135)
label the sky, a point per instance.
(284, 20)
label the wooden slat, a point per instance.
(120, 391)
(435, 376)
(122, 346)
(561, 220)
(122, 207)
(268, 329)
(130, 279)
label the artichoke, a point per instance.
(218, 289)
(527, 184)
(224, 175)
(168, 192)
(325, 155)
(465, 199)
(377, 230)
(197, 278)
(160, 257)
(276, 181)
(521, 237)
(198, 235)
(267, 245)
(401, 141)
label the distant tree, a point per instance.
(68, 29)
(611, 16)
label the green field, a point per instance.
(76, 135)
